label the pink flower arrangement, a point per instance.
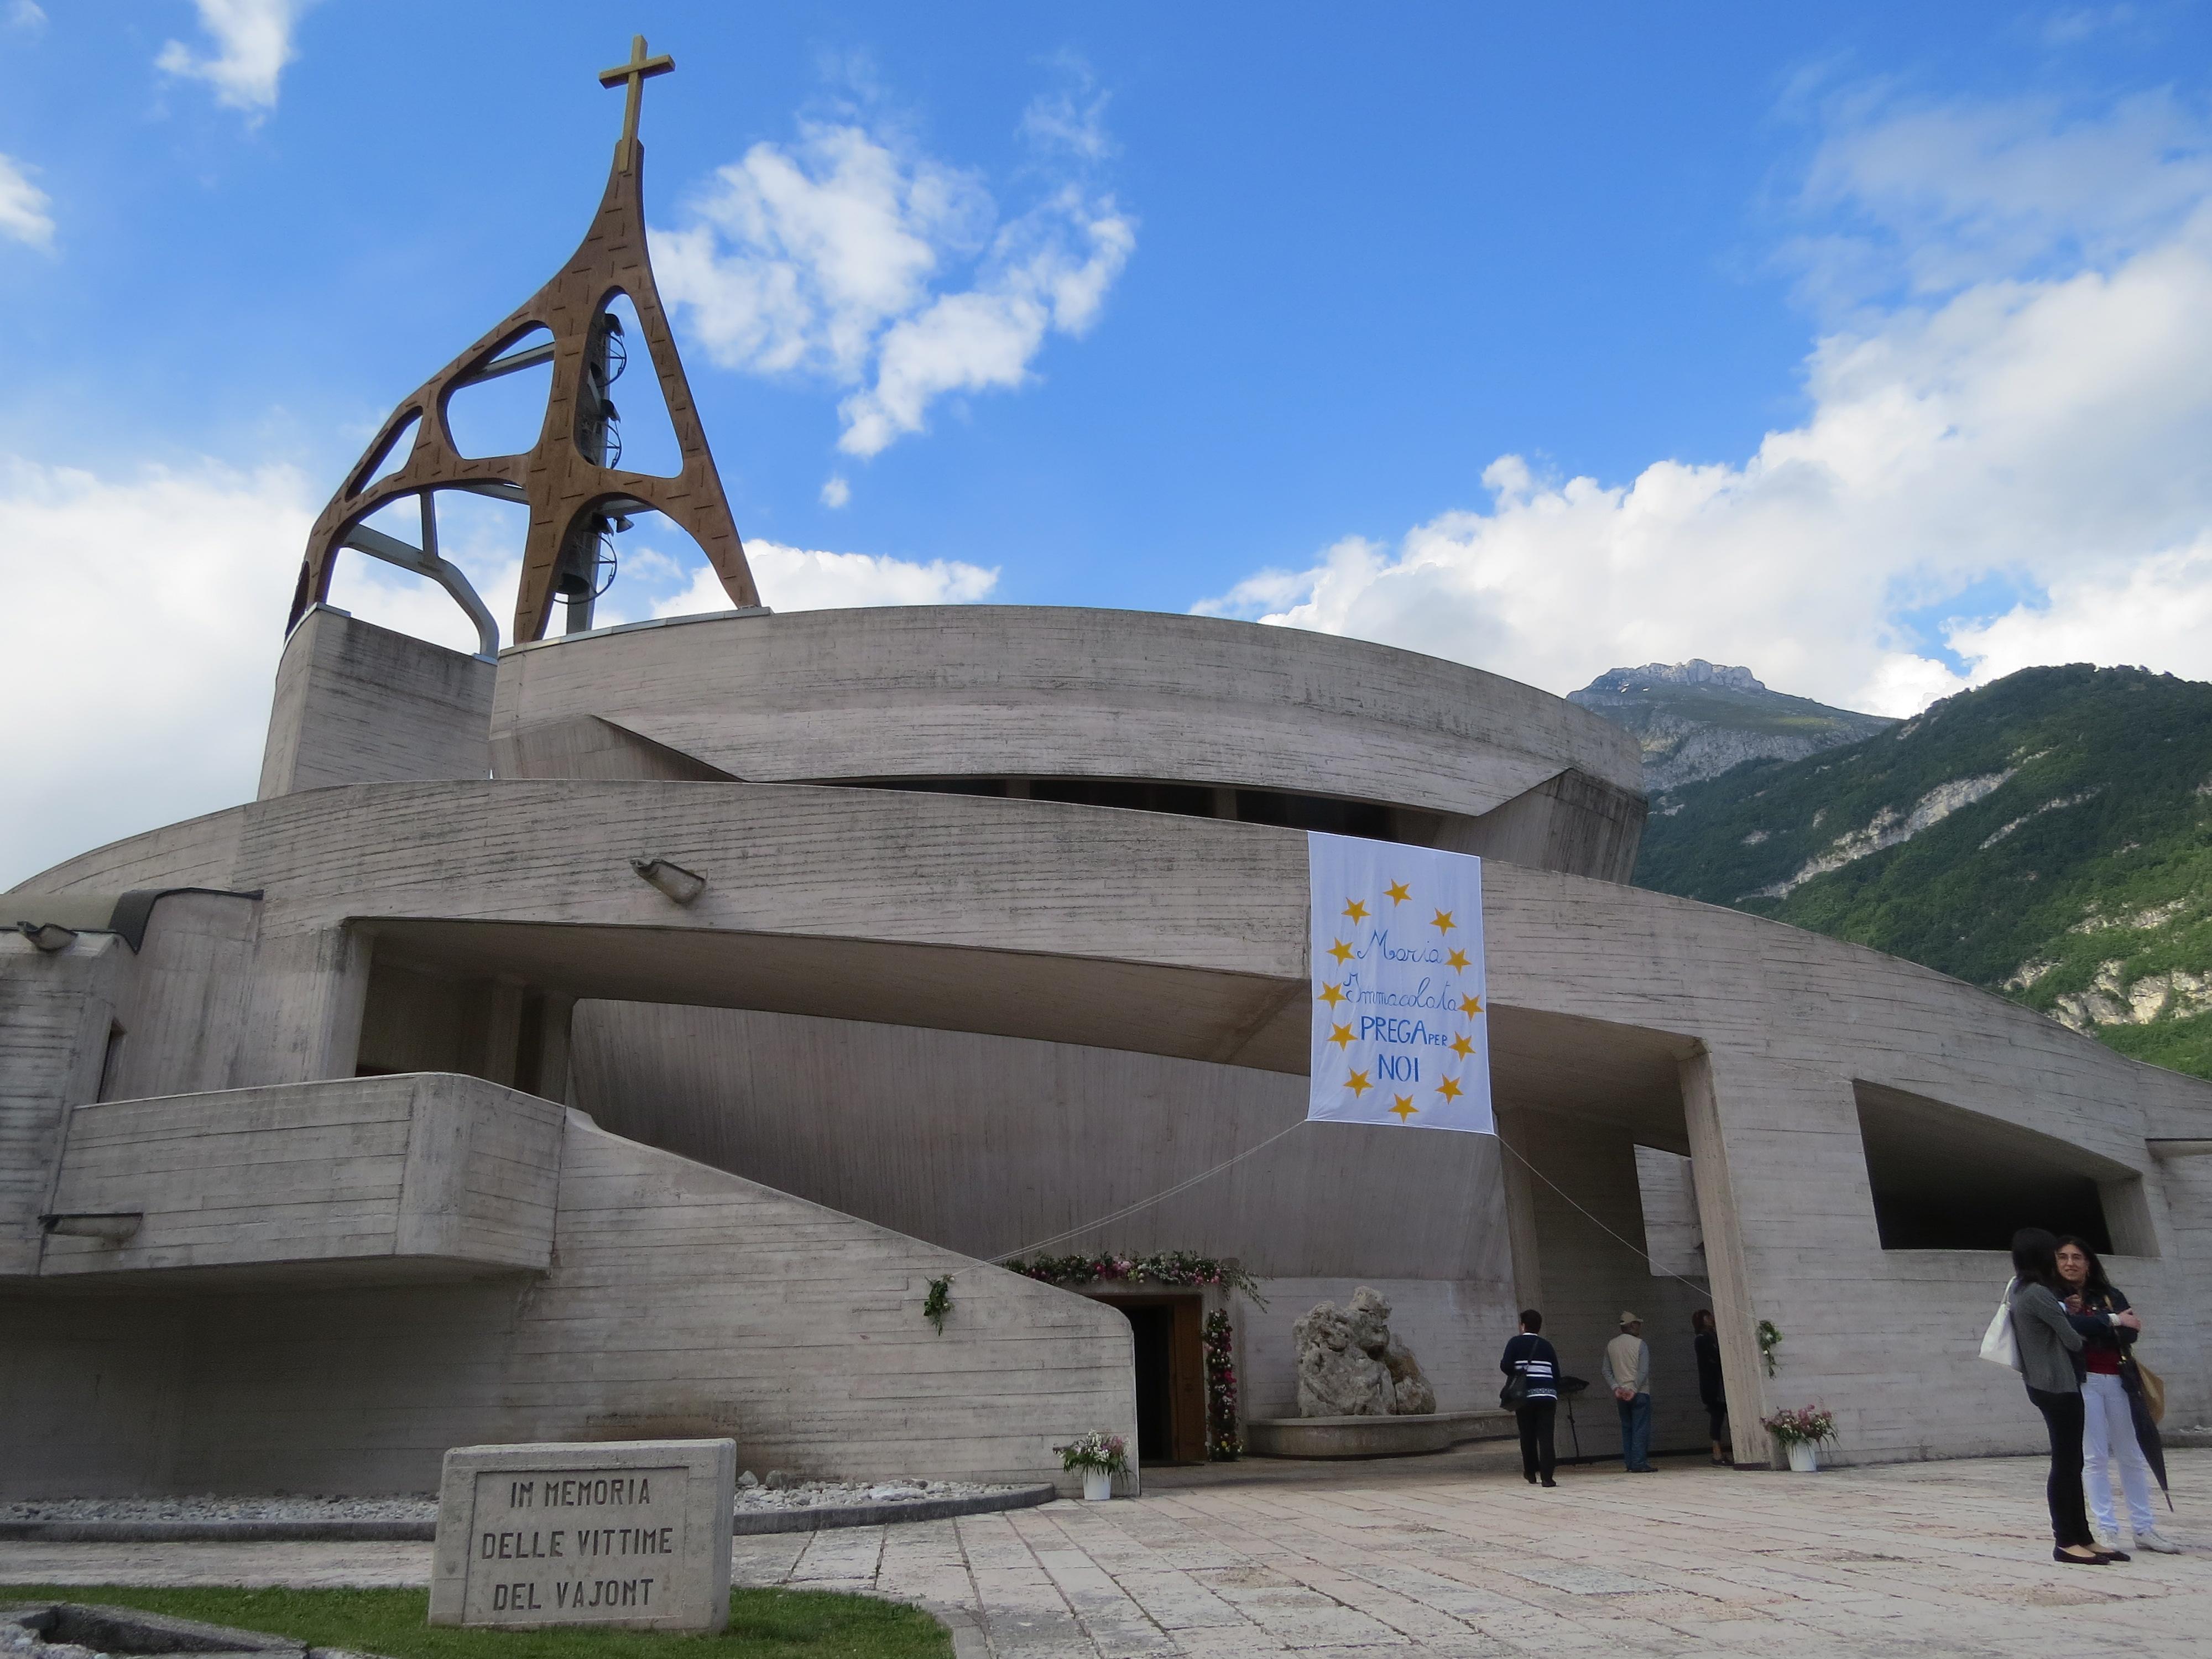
(1806, 1425)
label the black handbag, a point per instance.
(1514, 1394)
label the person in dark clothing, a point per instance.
(1531, 1359)
(1710, 1389)
(2050, 1341)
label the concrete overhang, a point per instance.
(1000, 691)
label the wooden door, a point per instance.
(1187, 1379)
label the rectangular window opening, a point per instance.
(1944, 1178)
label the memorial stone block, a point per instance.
(634, 1533)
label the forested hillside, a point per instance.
(2048, 836)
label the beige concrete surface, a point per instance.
(1620, 1018)
(1053, 691)
(358, 1172)
(1935, 1558)
(356, 703)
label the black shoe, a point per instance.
(2114, 1555)
(1529, 1476)
(2064, 1559)
(1549, 1481)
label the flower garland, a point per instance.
(1222, 1443)
(1162, 1268)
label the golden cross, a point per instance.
(636, 71)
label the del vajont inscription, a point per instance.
(581, 1547)
(618, 1532)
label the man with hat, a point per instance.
(1628, 1374)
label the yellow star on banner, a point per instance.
(1330, 995)
(1341, 1036)
(1358, 1083)
(1455, 960)
(1449, 1089)
(1443, 923)
(1403, 1105)
(1356, 910)
(1462, 1047)
(1398, 892)
(1470, 1005)
(1340, 951)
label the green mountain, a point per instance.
(2048, 836)
(1695, 719)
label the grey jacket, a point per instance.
(2048, 1338)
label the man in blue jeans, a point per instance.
(1628, 1374)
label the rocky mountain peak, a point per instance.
(1695, 671)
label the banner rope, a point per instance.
(1704, 1292)
(1160, 1197)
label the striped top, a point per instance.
(1530, 1356)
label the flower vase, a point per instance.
(1097, 1485)
(1804, 1457)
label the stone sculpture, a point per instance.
(1350, 1366)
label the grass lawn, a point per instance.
(764, 1624)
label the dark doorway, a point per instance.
(1155, 1329)
(1170, 1366)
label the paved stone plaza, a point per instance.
(1932, 1558)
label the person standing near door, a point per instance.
(1712, 1390)
(1532, 1381)
(1628, 1374)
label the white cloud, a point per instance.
(149, 612)
(25, 14)
(796, 579)
(253, 42)
(1047, 271)
(2046, 431)
(835, 493)
(23, 207)
(850, 257)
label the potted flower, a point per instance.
(1801, 1434)
(1101, 1456)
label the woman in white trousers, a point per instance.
(2108, 1436)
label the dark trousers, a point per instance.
(1717, 1423)
(1537, 1455)
(2070, 1514)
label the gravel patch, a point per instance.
(779, 1504)
(780, 1492)
(209, 1507)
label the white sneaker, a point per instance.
(2106, 1540)
(2156, 1545)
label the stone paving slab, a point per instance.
(1923, 1559)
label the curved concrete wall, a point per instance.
(1619, 1016)
(987, 691)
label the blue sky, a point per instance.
(1861, 344)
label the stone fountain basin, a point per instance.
(1372, 1436)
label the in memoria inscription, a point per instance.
(633, 1532)
(584, 1548)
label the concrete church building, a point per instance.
(615, 1034)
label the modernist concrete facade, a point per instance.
(432, 1124)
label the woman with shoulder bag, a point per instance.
(2050, 1341)
(1532, 1394)
(2108, 1434)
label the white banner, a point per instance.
(1400, 1034)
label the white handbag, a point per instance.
(1999, 1345)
